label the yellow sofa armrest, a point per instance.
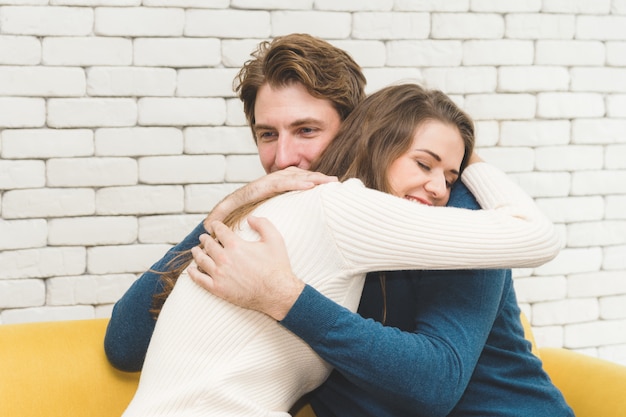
(59, 369)
(592, 387)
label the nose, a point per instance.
(287, 154)
(436, 185)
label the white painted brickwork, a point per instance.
(119, 131)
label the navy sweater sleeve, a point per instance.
(131, 326)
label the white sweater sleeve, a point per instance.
(377, 231)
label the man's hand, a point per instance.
(288, 179)
(253, 275)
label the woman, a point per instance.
(209, 357)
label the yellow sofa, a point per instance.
(58, 369)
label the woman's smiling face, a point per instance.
(426, 171)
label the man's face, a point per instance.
(292, 127)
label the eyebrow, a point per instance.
(438, 158)
(295, 123)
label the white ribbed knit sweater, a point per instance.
(210, 358)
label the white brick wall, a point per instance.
(119, 131)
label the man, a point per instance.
(296, 91)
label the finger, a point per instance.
(266, 229)
(202, 279)
(224, 234)
(319, 178)
(203, 261)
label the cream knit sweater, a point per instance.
(210, 358)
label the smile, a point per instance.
(418, 200)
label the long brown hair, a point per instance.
(379, 130)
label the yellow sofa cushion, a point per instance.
(59, 369)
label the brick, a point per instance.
(20, 50)
(614, 206)
(234, 114)
(509, 159)
(569, 53)
(181, 111)
(614, 257)
(569, 158)
(237, 51)
(497, 52)
(500, 106)
(41, 81)
(487, 133)
(228, 23)
(572, 261)
(94, 172)
(618, 7)
(92, 231)
(96, 2)
(351, 5)
(598, 182)
(334, 25)
(537, 289)
(206, 82)
(390, 25)
(91, 112)
(598, 131)
(22, 234)
(183, 169)
(613, 353)
(432, 5)
(117, 81)
(613, 307)
(201, 198)
(46, 143)
(22, 293)
(532, 79)
(467, 26)
(42, 262)
(272, 4)
(572, 209)
(576, 6)
(569, 105)
(603, 80)
(38, 314)
(138, 141)
(615, 157)
(596, 284)
(167, 228)
(21, 112)
(534, 133)
(426, 53)
(87, 289)
(505, 6)
(219, 140)
(140, 199)
(599, 233)
(48, 202)
(139, 21)
(616, 105)
(243, 168)
(577, 310)
(605, 28)
(462, 80)
(366, 53)
(213, 4)
(46, 21)
(544, 184)
(548, 336)
(87, 51)
(176, 52)
(539, 26)
(595, 333)
(616, 53)
(123, 259)
(22, 174)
